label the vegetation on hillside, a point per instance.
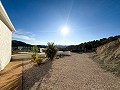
(23, 47)
(20, 46)
(83, 47)
(91, 45)
(108, 56)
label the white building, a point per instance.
(42, 50)
(6, 29)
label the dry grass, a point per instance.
(108, 56)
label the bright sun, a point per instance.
(65, 30)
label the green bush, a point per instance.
(38, 60)
(51, 51)
(34, 56)
(35, 49)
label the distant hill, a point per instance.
(16, 43)
(22, 46)
(41, 46)
(61, 46)
(83, 47)
(91, 45)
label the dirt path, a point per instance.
(11, 76)
(76, 72)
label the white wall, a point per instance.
(5, 45)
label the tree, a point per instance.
(51, 51)
(35, 49)
(91, 45)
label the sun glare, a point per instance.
(65, 30)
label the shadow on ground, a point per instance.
(35, 74)
(11, 76)
(14, 65)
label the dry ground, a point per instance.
(76, 72)
(11, 76)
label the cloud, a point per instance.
(36, 42)
(22, 35)
(23, 32)
(27, 37)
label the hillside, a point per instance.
(91, 45)
(108, 56)
(22, 46)
(16, 43)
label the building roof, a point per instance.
(5, 19)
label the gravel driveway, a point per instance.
(75, 72)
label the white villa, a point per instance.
(6, 29)
(41, 50)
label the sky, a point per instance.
(41, 21)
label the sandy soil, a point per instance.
(11, 76)
(76, 72)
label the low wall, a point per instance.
(21, 56)
(68, 53)
(42, 55)
(59, 52)
(27, 55)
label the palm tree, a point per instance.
(51, 51)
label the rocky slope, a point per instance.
(108, 56)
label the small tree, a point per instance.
(51, 51)
(35, 49)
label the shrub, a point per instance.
(35, 49)
(38, 60)
(51, 51)
(34, 56)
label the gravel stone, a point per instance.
(75, 72)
